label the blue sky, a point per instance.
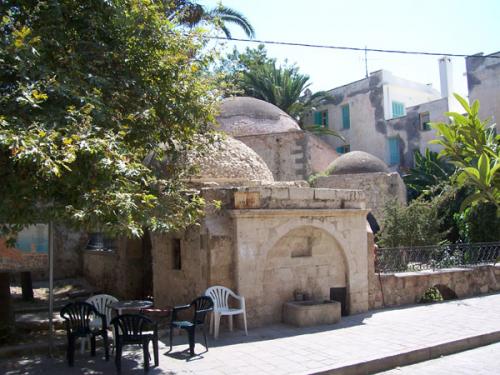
(459, 26)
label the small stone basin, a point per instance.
(311, 313)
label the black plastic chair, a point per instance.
(77, 316)
(135, 329)
(201, 306)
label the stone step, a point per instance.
(38, 308)
(32, 348)
(38, 321)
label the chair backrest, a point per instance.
(78, 315)
(219, 295)
(132, 326)
(101, 302)
(202, 306)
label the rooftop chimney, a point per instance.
(446, 76)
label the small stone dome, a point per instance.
(241, 116)
(355, 162)
(229, 160)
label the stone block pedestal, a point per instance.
(311, 313)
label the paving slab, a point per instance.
(480, 361)
(360, 344)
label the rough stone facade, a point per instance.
(121, 272)
(265, 243)
(379, 188)
(408, 288)
(291, 156)
(483, 82)
(230, 159)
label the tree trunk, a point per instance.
(27, 286)
(6, 313)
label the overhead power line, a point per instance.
(361, 49)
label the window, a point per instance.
(393, 151)
(425, 121)
(346, 120)
(321, 118)
(343, 149)
(398, 109)
(100, 241)
(176, 254)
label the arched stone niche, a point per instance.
(267, 274)
(306, 259)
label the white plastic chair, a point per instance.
(101, 302)
(220, 296)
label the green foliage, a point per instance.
(479, 223)
(447, 204)
(429, 173)
(193, 14)
(314, 177)
(431, 295)
(474, 148)
(88, 91)
(414, 225)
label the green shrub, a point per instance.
(431, 295)
(479, 223)
(414, 225)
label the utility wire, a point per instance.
(350, 48)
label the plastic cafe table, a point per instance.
(130, 305)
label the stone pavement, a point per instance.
(481, 361)
(359, 344)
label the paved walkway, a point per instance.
(280, 349)
(481, 361)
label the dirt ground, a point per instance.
(64, 289)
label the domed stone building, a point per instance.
(229, 161)
(289, 152)
(361, 170)
(266, 241)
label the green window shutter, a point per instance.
(398, 109)
(325, 119)
(317, 118)
(393, 151)
(346, 120)
(343, 149)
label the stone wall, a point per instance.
(68, 247)
(408, 288)
(120, 272)
(378, 188)
(291, 156)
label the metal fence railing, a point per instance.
(420, 258)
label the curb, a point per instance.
(414, 356)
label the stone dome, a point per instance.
(229, 160)
(241, 116)
(355, 162)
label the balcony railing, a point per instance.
(421, 258)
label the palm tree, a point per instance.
(429, 173)
(286, 88)
(192, 14)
